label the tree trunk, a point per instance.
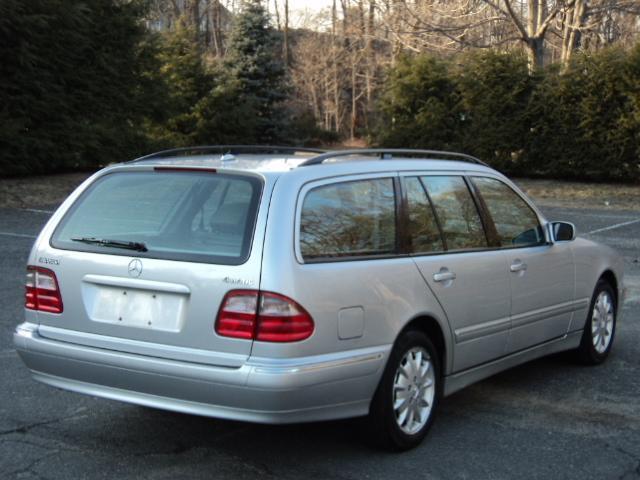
(369, 52)
(354, 93)
(535, 53)
(336, 83)
(571, 33)
(277, 12)
(195, 19)
(217, 28)
(286, 33)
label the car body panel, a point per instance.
(481, 322)
(592, 260)
(542, 296)
(261, 390)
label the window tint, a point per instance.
(349, 219)
(516, 223)
(423, 228)
(191, 216)
(457, 212)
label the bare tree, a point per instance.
(450, 25)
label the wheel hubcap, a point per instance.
(602, 322)
(413, 390)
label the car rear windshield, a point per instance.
(177, 215)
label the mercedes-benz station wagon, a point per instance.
(279, 285)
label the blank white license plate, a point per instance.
(135, 308)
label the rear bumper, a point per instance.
(262, 390)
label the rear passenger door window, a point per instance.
(516, 223)
(423, 230)
(456, 212)
(349, 219)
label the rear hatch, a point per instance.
(143, 258)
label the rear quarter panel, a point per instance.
(390, 291)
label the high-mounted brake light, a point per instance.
(263, 316)
(184, 169)
(42, 292)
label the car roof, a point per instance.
(252, 162)
(281, 160)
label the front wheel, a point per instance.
(597, 337)
(404, 404)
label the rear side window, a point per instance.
(516, 223)
(424, 233)
(349, 219)
(191, 216)
(457, 212)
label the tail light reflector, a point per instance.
(42, 292)
(263, 316)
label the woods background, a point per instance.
(544, 88)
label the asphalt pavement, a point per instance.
(547, 419)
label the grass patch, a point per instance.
(582, 195)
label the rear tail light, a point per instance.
(237, 317)
(263, 316)
(42, 291)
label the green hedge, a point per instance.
(582, 124)
(84, 84)
(72, 85)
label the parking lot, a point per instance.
(547, 419)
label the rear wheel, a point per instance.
(599, 331)
(404, 404)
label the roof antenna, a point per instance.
(227, 157)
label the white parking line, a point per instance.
(35, 210)
(19, 235)
(617, 225)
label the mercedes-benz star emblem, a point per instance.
(135, 268)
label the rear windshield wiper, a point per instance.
(138, 246)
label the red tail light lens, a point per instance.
(237, 316)
(282, 320)
(263, 316)
(42, 291)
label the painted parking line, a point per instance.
(35, 210)
(18, 235)
(599, 215)
(612, 227)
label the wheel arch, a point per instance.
(610, 277)
(431, 327)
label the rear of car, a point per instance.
(145, 287)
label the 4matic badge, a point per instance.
(238, 281)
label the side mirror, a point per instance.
(563, 231)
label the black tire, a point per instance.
(587, 353)
(382, 428)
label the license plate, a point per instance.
(136, 308)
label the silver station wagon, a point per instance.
(278, 285)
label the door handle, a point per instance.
(444, 275)
(518, 266)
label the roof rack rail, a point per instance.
(387, 154)
(226, 149)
